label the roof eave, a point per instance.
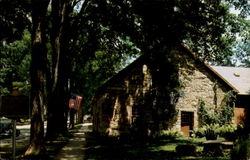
(226, 81)
(210, 68)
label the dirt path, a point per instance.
(74, 150)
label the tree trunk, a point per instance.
(80, 115)
(58, 102)
(38, 72)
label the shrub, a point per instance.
(185, 149)
(210, 134)
(170, 134)
(230, 132)
(241, 151)
(209, 131)
(222, 115)
(199, 133)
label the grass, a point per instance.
(164, 149)
(113, 149)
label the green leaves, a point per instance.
(14, 19)
(220, 116)
(14, 65)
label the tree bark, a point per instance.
(38, 76)
(58, 102)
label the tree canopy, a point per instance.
(85, 42)
(14, 19)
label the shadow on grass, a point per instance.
(52, 149)
(164, 149)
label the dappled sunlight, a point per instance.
(114, 110)
(75, 148)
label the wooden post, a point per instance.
(14, 139)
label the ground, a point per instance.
(84, 145)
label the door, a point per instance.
(187, 122)
(240, 115)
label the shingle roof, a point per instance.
(237, 77)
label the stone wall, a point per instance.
(119, 101)
(125, 102)
(198, 82)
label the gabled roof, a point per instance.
(237, 77)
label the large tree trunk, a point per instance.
(38, 72)
(58, 102)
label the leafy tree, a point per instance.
(245, 56)
(87, 37)
(238, 27)
(242, 48)
(155, 26)
(91, 52)
(107, 60)
(14, 19)
(154, 32)
(15, 59)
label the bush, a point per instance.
(241, 151)
(170, 134)
(210, 134)
(208, 131)
(185, 149)
(199, 133)
(230, 132)
(222, 115)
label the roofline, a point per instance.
(140, 58)
(121, 72)
(210, 68)
(222, 78)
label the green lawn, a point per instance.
(163, 149)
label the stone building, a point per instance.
(128, 96)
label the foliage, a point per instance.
(241, 151)
(242, 49)
(230, 131)
(222, 115)
(198, 132)
(15, 61)
(87, 76)
(210, 134)
(14, 19)
(211, 130)
(186, 149)
(170, 134)
(103, 32)
(226, 112)
(243, 53)
(237, 29)
(172, 21)
(205, 115)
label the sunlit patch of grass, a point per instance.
(165, 147)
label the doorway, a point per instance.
(187, 122)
